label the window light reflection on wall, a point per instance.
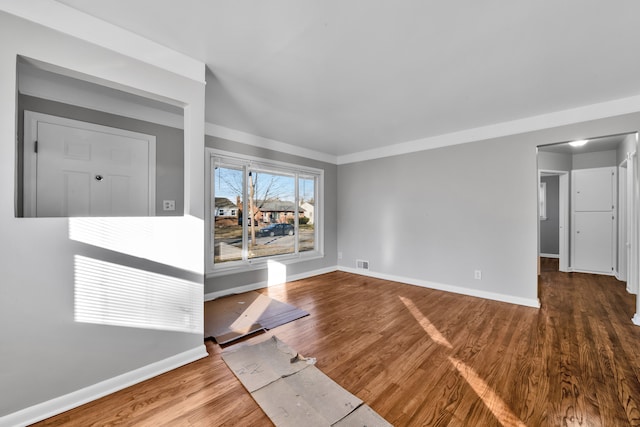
(112, 294)
(174, 241)
(276, 273)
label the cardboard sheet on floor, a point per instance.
(232, 317)
(295, 393)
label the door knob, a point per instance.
(99, 178)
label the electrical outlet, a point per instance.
(169, 205)
(477, 274)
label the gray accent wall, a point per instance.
(226, 282)
(434, 217)
(598, 159)
(554, 161)
(169, 145)
(550, 227)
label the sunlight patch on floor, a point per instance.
(250, 315)
(422, 320)
(491, 400)
(489, 397)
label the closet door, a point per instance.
(593, 242)
(594, 220)
(594, 189)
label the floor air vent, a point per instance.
(362, 265)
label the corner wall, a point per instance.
(434, 217)
(50, 360)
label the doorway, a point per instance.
(570, 163)
(553, 226)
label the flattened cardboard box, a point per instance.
(296, 393)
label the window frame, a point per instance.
(247, 163)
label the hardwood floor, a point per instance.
(424, 357)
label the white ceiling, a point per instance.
(345, 76)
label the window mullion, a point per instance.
(245, 214)
(296, 202)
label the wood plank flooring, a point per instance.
(421, 357)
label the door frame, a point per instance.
(631, 213)
(614, 225)
(30, 158)
(623, 225)
(564, 229)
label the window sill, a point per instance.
(261, 264)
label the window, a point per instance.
(273, 211)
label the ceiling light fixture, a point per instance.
(578, 143)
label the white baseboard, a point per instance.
(74, 399)
(550, 256)
(576, 270)
(263, 284)
(528, 302)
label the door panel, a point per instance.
(594, 189)
(593, 239)
(82, 172)
(594, 227)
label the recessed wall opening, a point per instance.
(86, 148)
(588, 214)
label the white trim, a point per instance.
(93, 392)
(31, 120)
(636, 319)
(528, 302)
(271, 144)
(601, 273)
(556, 256)
(544, 121)
(263, 284)
(563, 211)
(75, 23)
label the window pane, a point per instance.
(306, 198)
(271, 204)
(227, 227)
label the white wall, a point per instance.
(45, 354)
(461, 208)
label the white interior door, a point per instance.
(81, 169)
(594, 189)
(593, 238)
(594, 220)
